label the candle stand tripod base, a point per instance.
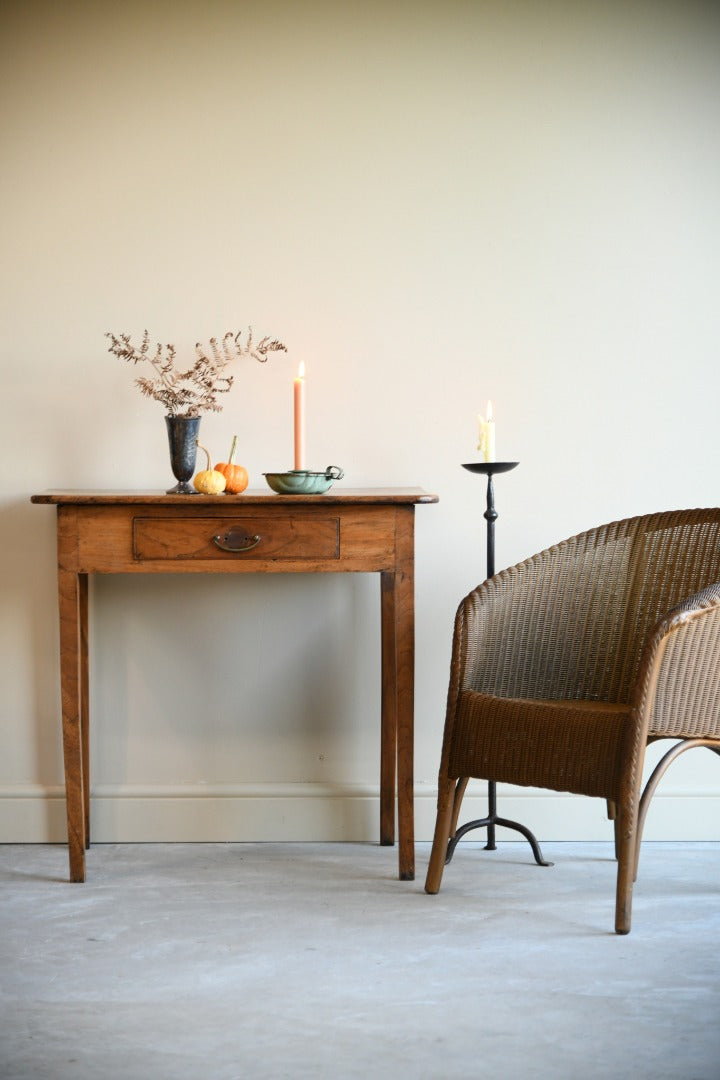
(491, 821)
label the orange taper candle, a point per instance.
(299, 402)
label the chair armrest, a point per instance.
(679, 688)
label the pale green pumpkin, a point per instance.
(209, 481)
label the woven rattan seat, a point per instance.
(567, 665)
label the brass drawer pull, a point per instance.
(235, 541)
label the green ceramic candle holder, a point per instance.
(302, 481)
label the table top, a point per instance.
(347, 496)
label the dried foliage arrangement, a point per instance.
(195, 390)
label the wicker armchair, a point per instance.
(565, 666)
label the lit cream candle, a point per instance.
(299, 412)
(486, 437)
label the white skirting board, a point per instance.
(320, 812)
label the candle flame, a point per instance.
(301, 370)
(489, 412)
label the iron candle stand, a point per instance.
(489, 469)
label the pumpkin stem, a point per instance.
(232, 450)
(207, 454)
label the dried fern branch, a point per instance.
(196, 390)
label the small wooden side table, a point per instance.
(144, 533)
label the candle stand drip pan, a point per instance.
(302, 481)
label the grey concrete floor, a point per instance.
(223, 961)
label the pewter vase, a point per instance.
(182, 436)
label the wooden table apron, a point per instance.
(140, 533)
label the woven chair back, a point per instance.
(570, 622)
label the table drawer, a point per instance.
(246, 538)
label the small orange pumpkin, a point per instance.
(236, 476)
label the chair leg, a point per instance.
(612, 816)
(625, 874)
(446, 805)
(460, 789)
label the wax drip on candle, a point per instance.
(486, 438)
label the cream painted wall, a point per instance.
(432, 204)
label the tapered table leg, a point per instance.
(398, 677)
(72, 597)
(404, 604)
(84, 699)
(388, 722)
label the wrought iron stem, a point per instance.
(489, 468)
